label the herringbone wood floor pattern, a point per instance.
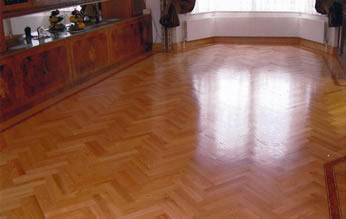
(224, 131)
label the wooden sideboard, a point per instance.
(2, 35)
(30, 76)
(110, 9)
(34, 6)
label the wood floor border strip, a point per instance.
(296, 41)
(106, 75)
(333, 200)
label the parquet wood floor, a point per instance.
(224, 131)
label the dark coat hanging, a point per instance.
(334, 10)
(169, 16)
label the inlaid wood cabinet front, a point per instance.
(130, 39)
(146, 35)
(10, 86)
(120, 43)
(90, 53)
(33, 75)
(43, 71)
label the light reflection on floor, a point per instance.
(257, 105)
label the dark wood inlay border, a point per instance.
(334, 205)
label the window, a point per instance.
(305, 6)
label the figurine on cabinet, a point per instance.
(54, 20)
(78, 21)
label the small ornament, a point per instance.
(55, 20)
(78, 21)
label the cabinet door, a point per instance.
(90, 53)
(125, 41)
(145, 33)
(135, 37)
(9, 87)
(119, 42)
(43, 71)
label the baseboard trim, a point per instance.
(318, 47)
(157, 47)
(307, 44)
(295, 41)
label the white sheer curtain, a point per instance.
(305, 6)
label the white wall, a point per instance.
(259, 24)
(19, 23)
(154, 5)
(199, 26)
(312, 29)
(16, 25)
(247, 24)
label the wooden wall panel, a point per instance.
(43, 71)
(9, 88)
(46, 2)
(122, 8)
(117, 9)
(2, 35)
(90, 53)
